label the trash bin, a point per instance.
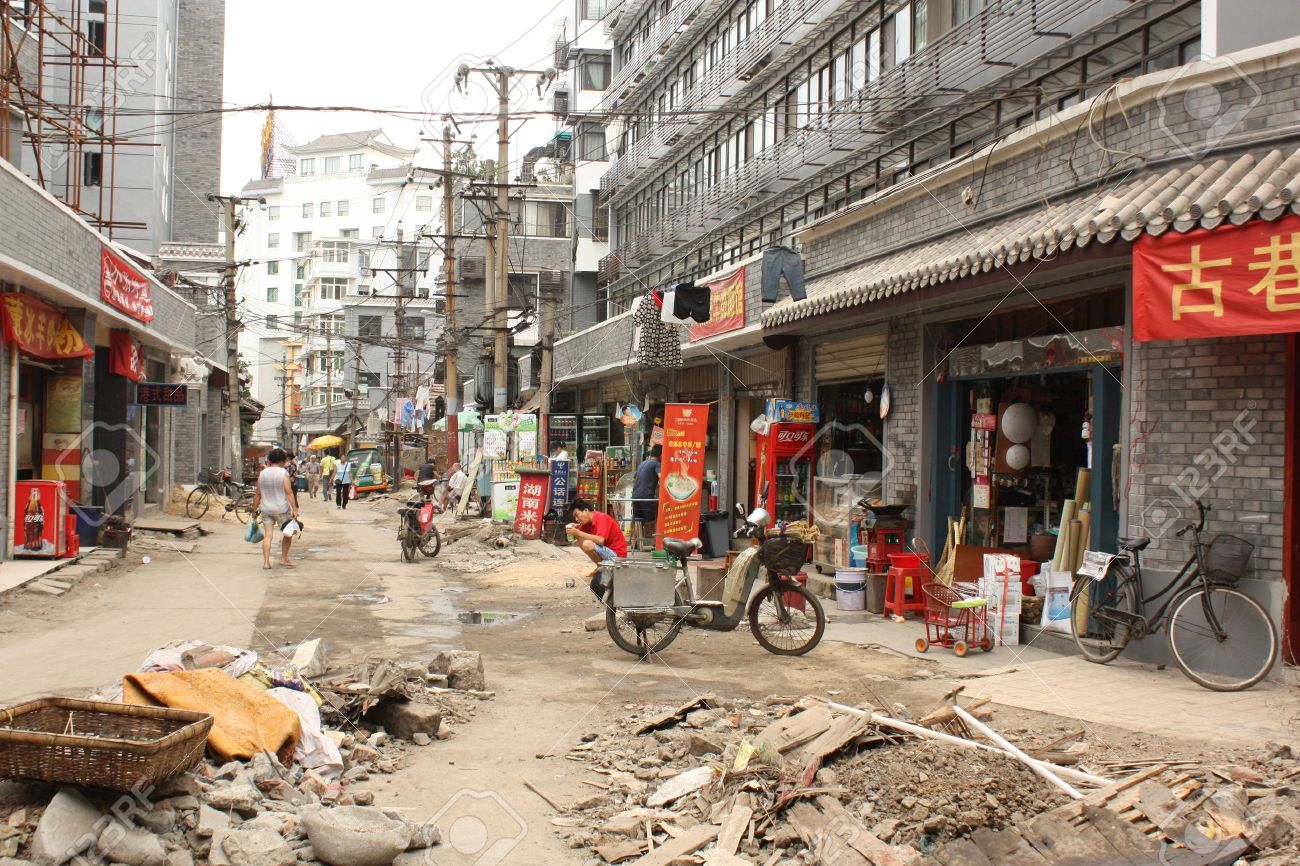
(876, 584)
(715, 527)
(89, 519)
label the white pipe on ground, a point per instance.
(1029, 762)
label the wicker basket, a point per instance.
(102, 745)
(783, 555)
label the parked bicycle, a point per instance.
(220, 488)
(416, 531)
(784, 617)
(1221, 638)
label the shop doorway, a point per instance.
(1013, 450)
(153, 481)
(1291, 519)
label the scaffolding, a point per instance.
(60, 99)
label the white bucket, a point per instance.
(851, 599)
(851, 579)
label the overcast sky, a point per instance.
(385, 54)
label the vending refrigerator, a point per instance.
(41, 519)
(784, 469)
(577, 434)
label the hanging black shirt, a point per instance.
(692, 302)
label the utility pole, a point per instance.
(329, 379)
(399, 358)
(451, 376)
(499, 246)
(356, 395)
(546, 378)
(284, 403)
(230, 202)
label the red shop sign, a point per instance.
(124, 287)
(534, 494)
(686, 427)
(125, 356)
(40, 330)
(726, 307)
(1223, 282)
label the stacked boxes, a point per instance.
(1001, 586)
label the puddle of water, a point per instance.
(484, 617)
(364, 598)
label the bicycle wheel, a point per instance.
(410, 545)
(243, 506)
(198, 503)
(643, 633)
(794, 633)
(1233, 657)
(1102, 613)
(431, 543)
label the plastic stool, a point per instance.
(897, 600)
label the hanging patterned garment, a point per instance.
(657, 344)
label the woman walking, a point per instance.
(342, 484)
(274, 503)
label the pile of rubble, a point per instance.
(480, 546)
(790, 781)
(264, 811)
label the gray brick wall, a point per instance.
(1208, 420)
(903, 426)
(196, 157)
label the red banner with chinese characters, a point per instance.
(125, 356)
(124, 287)
(534, 498)
(726, 307)
(681, 477)
(40, 330)
(1223, 282)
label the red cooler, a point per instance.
(41, 519)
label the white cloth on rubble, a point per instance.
(315, 751)
(168, 658)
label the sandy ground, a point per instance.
(554, 682)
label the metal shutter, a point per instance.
(860, 357)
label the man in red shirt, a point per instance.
(601, 537)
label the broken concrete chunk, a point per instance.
(67, 828)
(210, 821)
(355, 836)
(123, 844)
(310, 658)
(463, 669)
(424, 835)
(240, 798)
(681, 785)
(257, 848)
(402, 718)
(700, 746)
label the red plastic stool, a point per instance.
(897, 600)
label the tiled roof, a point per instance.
(339, 140)
(1204, 195)
(266, 183)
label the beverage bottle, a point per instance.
(33, 522)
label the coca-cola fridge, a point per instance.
(41, 519)
(785, 470)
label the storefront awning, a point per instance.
(1180, 199)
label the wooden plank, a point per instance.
(842, 731)
(654, 723)
(785, 734)
(1064, 845)
(962, 852)
(1127, 840)
(1006, 848)
(1105, 795)
(862, 840)
(821, 841)
(617, 852)
(688, 843)
(733, 828)
(1163, 809)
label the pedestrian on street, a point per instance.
(558, 453)
(645, 492)
(427, 472)
(328, 465)
(601, 537)
(313, 473)
(274, 503)
(456, 483)
(343, 484)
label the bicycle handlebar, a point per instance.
(1199, 525)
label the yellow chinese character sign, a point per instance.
(1224, 282)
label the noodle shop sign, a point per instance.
(124, 287)
(686, 427)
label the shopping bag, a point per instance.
(253, 532)
(290, 528)
(352, 492)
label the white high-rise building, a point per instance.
(326, 241)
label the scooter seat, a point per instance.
(679, 547)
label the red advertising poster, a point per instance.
(40, 330)
(726, 307)
(686, 426)
(1224, 282)
(534, 496)
(125, 356)
(40, 519)
(124, 287)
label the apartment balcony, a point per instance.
(663, 36)
(785, 30)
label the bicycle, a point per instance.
(1221, 638)
(220, 487)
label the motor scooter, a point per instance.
(648, 603)
(416, 531)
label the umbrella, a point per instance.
(320, 443)
(465, 421)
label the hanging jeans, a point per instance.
(778, 262)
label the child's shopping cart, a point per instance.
(954, 619)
